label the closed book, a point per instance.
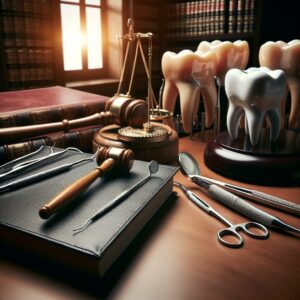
(96, 248)
(46, 105)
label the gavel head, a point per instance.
(127, 111)
(124, 157)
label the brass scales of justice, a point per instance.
(154, 139)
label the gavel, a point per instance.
(108, 159)
(120, 110)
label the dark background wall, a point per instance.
(280, 20)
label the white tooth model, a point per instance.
(255, 92)
(285, 56)
(229, 55)
(190, 74)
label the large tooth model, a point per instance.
(255, 92)
(189, 74)
(229, 55)
(285, 56)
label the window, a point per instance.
(81, 29)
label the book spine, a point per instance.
(251, 16)
(217, 17)
(42, 116)
(182, 25)
(81, 139)
(246, 16)
(206, 17)
(231, 16)
(222, 16)
(214, 17)
(239, 16)
(188, 19)
(210, 16)
(199, 18)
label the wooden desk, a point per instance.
(181, 258)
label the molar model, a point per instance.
(255, 92)
(229, 55)
(285, 56)
(190, 74)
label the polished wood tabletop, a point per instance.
(181, 258)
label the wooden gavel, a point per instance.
(107, 159)
(121, 110)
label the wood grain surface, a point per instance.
(182, 259)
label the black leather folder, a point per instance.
(95, 249)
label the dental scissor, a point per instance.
(232, 231)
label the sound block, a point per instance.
(162, 150)
(267, 163)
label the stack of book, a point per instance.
(210, 17)
(47, 105)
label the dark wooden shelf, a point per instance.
(224, 36)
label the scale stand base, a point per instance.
(162, 148)
(267, 163)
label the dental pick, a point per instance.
(153, 168)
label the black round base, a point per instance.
(269, 163)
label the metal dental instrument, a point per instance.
(6, 166)
(232, 229)
(35, 162)
(44, 174)
(153, 168)
(217, 112)
(189, 166)
(23, 164)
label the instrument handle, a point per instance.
(276, 202)
(240, 205)
(75, 189)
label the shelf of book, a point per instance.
(27, 44)
(209, 17)
(226, 36)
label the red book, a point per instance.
(44, 105)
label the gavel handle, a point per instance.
(12, 134)
(75, 189)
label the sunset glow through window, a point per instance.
(77, 36)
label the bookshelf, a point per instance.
(26, 44)
(190, 22)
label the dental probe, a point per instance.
(153, 168)
(28, 165)
(42, 175)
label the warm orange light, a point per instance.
(94, 38)
(72, 38)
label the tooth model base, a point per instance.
(160, 144)
(267, 163)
